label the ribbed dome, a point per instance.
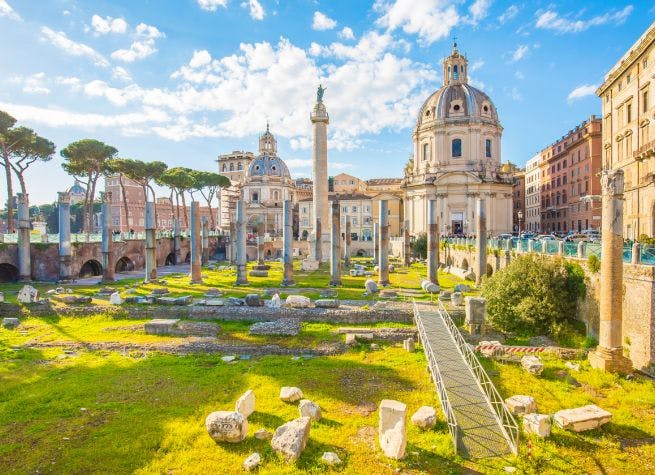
(265, 165)
(77, 189)
(457, 101)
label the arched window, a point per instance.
(231, 167)
(239, 166)
(457, 147)
(426, 151)
(455, 74)
(487, 148)
(225, 167)
(276, 195)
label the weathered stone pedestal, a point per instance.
(24, 260)
(383, 257)
(287, 241)
(481, 242)
(242, 278)
(151, 242)
(196, 244)
(108, 270)
(65, 256)
(335, 251)
(433, 242)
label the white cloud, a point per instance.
(347, 33)
(431, 20)
(477, 64)
(102, 26)
(520, 52)
(59, 40)
(8, 12)
(200, 58)
(581, 92)
(519, 75)
(121, 74)
(322, 22)
(143, 47)
(34, 84)
(479, 10)
(551, 20)
(256, 10)
(509, 14)
(212, 5)
(515, 94)
(299, 162)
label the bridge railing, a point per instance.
(504, 417)
(446, 407)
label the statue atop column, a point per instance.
(320, 92)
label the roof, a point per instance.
(384, 181)
(342, 197)
(473, 102)
(265, 165)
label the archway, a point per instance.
(170, 259)
(465, 264)
(187, 259)
(8, 273)
(361, 253)
(124, 264)
(90, 268)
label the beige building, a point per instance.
(628, 137)
(234, 166)
(532, 218)
(457, 158)
(344, 183)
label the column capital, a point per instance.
(64, 197)
(105, 197)
(611, 182)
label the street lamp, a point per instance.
(520, 216)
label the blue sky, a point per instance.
(186, 80)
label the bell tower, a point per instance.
(455, 68)
(267, 143)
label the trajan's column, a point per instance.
(320, 120)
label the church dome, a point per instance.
(77, 189)
(266, 165)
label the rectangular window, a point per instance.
(644, 100)
(628, 113)
(344, 209)
(354, 208)
(487, 148)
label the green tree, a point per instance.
(6, 148)
(534, 296)
(29, 148)
(208, 184)
(88, 159)
(118, 166)
(420, 246)
(180, 180)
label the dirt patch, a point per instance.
(365, 436)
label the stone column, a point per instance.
(608, 356)
(108, 269)
(376, 239)
(24, 260)
(176, 240)
(65, 256)
(383, 251)
(335, 249)
(242, 278)
(433, 242)
(287, 240)
(260, 243)
(196, 244)
(636, 254)
(346, 243)
(151, 242)
(318, 249)
(205, 239)
(233, 241)
(407, 245)
(581, 250)
(560, 248)
(481, 241)
(320, 120)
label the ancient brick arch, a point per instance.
(8, 272)
(90, 268)
(124, 264)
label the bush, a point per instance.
(534, 296)
(420, 246)
(593, 263)
(646, 239)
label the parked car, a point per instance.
(505, 236)
(577, 238)
(594, 234)
(547, 237)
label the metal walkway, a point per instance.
(478, 421)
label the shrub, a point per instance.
(593, 263)
(646, 239)
(420, 246)
(534, 296)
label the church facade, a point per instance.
(457, 158)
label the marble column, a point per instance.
(608, 356)
(376, 239)
(433, 242)
(335, 245)
(383, 251)
(176, 240)
(407, 245)
(320, 120)
(317, 242)
(196, 244)
(260, 243)
(24, 260)
(65, 256)
(287, 242)
(346, 243)
(108, 270)
(233, 241)
(205, 239)
(242, 258)
(481, 241)
(151, 242)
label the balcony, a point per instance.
(645, 151)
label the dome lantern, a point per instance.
(455, 68)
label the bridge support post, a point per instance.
(376, 238)
(383, 274)
(196, 244)
(176, 240)
(151, 257)
(242, 278)
(335, 245)
(287, 240)
(24, 261)
(608, 356)
(346, 244)
(64, 236)
(108, 270)
(433, 242)
(205, 240)
(407, 245)
(481, 241)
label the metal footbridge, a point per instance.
(479, 423)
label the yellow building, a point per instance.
(628, 143)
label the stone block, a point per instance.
(214, 302)
(537, 424)
(353, 272)
(28, 294)
(331, 459)
(520, 404)
(253, 300)
(309, 409)
(263, 434)
(74, 299)
(457, 298)
(408, 344)
(475, 309)
(290, 394)
(462, 288)
(246, 403)
(161, 326)
(351, 339)
(283, 326)
(298, 301)
(115, 298)
(392, 430)
(309, 264)
(430, 287)
(532, 364)
(2, 297)
(425, 417)
(371, 286)
(252, 462)
(582, 418)
(258, 273)
(10, 322)
(185, 300)
(226, 426)
(327, 303)
(290, 439)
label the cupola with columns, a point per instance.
(455, 68)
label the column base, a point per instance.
(610, 360)
(384, 283)
(288, 283)
(335, 283)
